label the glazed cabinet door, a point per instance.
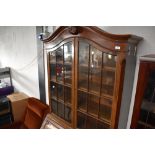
(95, 85)
(61, 81)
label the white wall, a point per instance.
(146, 46)
(18, 50)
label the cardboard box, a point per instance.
(19, 103)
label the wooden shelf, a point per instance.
(90, 115)
(61, 83)
(96, 93)
(111, 69)
(105, 68)
(61, 101)
(67, 63)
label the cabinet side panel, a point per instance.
(127, 90)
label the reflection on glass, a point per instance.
(83, 65)
(105, 112)
(83, 53)
(59, 55)
(82, 100)
(95, 58)
(105, 101)
(67, 114)
(59, 71)
(95, 70)
(68, 53)
(60, 110)
(53, 71)
(53, 90)
(60, 92)
(147, 112)
(94, 80)
(81, 121)
(67, 95)
(54, 106)
(67, 74)
(53, 57)
(109, 60)
(83, 78)
(108, 80)
(93, 105)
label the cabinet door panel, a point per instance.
(96, 78)
(61, 81)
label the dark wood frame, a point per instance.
(145, 68)
(103, 40)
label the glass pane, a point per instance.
(59, 55)
(107, 102)
(101, 125)
(95, 70)
(147, 112)
(68, 53)
(60, 71)
(53, 57)
(105, 112)
(95, 58)
(53, 90)
(53, 71)
(95, 80)
(108, 80)
(81, 120)
(54, 106)
(93, 105)
(91, 123)
(68, 74)
(61, 110)
(82, 100)
(83, 65)
(67, 114)
(83, 54)
(83, 78)
(60, 92)
(109, 60)
(68, 95)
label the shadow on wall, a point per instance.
(22, 82)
